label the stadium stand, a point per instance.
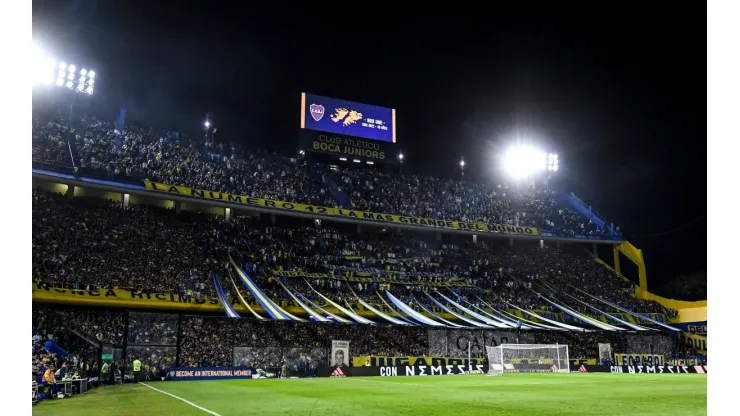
(78, 243)
(87, 243)
(167, 157)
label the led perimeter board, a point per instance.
(331, 115)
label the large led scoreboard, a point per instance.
(347, 129)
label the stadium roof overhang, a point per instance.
(108, 186)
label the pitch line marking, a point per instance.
(181, 399)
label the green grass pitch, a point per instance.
(511, 394)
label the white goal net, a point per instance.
(528, 358)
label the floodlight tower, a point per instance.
(528, 162)
(400, 162)
(47, 72)
(462, 169)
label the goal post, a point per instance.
(528, 358)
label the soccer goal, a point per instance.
(527, 358)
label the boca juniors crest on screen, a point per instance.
(349, 118)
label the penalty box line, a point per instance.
(182, 400)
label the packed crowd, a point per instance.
(86, 243)
(455, 200)
(506, 275)
(217, 341)
(173, 158)
(49, 143)
(63, 344)
(210, 341)
(152, 328)
(72, 325)
(105, 326)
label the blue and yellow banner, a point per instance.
(336, 212)
(267, 304)
(697, 341)
(137, 299)
(227, 307)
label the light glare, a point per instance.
(523, 161)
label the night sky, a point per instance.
(619, 95)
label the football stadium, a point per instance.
(188, 273)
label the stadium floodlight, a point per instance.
(47, 71)
(400, 157)
(301, 152)
(207, 124)
(43, 67)
(524, 161)
(462, 163)
(552, 162)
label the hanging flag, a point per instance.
(228, 309)
(244, 302)
(267, 304)
(357, 318)
(308, 310)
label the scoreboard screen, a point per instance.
(349, 118)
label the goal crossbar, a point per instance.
(527, 358)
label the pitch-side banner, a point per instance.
(639, 369)
(383, 361)
(209, 373)
(339, 353)
(335, 212)
(403, 370)
(639, 359)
